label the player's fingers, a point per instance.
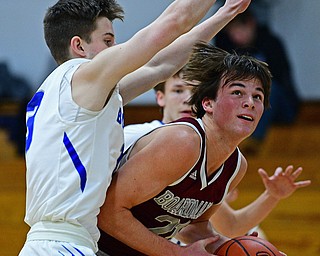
(263, 173)
(278, 171)
(288, 170)
(210, 240)
(297, 172)
(302, 184)
(205, 242)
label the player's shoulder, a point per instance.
(180, 136)
(186, 128)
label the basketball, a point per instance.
(247, 246)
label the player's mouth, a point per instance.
(246, 117)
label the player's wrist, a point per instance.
(271, 196)
(175, 250)
(235, 9)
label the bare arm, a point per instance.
(172, 58)
(281, 185)
(142, 178)
(98, 78)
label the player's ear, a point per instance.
(160, 97)
(207, 104)
(77, 47)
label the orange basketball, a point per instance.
(247, 246)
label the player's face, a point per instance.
(174, 100)
(102, 38)
(242, 34)
(239, 107)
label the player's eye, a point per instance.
(108, 42)
(258, 97)
(237, 92)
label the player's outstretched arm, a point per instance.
(279, 186)
(172, 58)
(97, 78)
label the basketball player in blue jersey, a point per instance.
(177, 176)
(75, 119)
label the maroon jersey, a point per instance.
(181, 202)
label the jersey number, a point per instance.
(173, 227)
(32, 109)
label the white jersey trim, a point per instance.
(63, 232)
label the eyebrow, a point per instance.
(109, 34)
(243, 86)
(180, 84)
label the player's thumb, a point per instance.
(263, 174)
(210, 240)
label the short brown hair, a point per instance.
(68, 18)
(209, 64)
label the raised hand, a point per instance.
(283, 183)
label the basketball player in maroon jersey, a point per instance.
(176, 177)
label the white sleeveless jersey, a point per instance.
(70, 153)
(133, 132)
